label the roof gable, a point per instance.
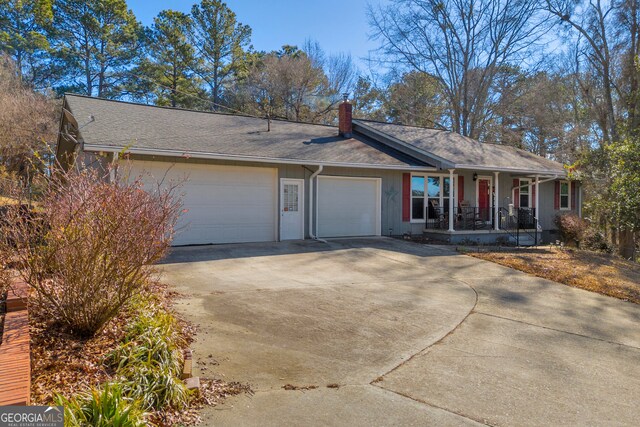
(453, 150)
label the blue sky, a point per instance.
(338, 25)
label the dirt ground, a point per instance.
(597, 272)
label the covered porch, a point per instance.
(484, 206)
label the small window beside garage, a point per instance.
(290, 198)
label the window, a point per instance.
(446, 193)
(427, 192)
(290, 201)
(433, 197)
(417, 197)
(525, 196)
(565, 195)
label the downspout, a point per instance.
(112, 170)
(539, 182)
(311, 223)
(579, 201)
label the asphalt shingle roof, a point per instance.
(136, 126)
(123, 124)
(463, 151)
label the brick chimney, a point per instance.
(344, 117)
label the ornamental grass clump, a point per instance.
(103, 407)
(86, 250)
(149, 362)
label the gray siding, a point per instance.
(392, 223)
(391, 187)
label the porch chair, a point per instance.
(468, 216)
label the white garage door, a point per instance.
(225, 204)
(348, 206)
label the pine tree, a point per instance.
(23, 25)
(171, 62)
(220, 41)
(96, 41)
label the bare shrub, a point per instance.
(571, 227)
(578, 231)
(28, 123)
(85, 251)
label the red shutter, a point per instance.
(556, 196)
(460, 188)
(533, 195)
(516, 192)
(573, 195)
(406, 197)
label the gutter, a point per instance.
(556, 174)
(241, 157)
(311, 217)
(533, 183)
(112, 171)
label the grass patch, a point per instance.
(594, 271)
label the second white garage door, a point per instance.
(348, 207)
(224, 204)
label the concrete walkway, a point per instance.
(412, 334)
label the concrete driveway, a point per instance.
(411, 334)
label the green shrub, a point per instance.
(104, 407)
(149, 362)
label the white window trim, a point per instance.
(529, 187)
(568, 208)
(453, 192)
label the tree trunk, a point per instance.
(103, 70)
(634, 95)
(216, 83)
(626, 244)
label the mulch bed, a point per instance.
(594, 271)
(64, 364)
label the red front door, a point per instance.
(484, 199)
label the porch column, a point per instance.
(496, 202)
(451, 187)
(537, 196)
